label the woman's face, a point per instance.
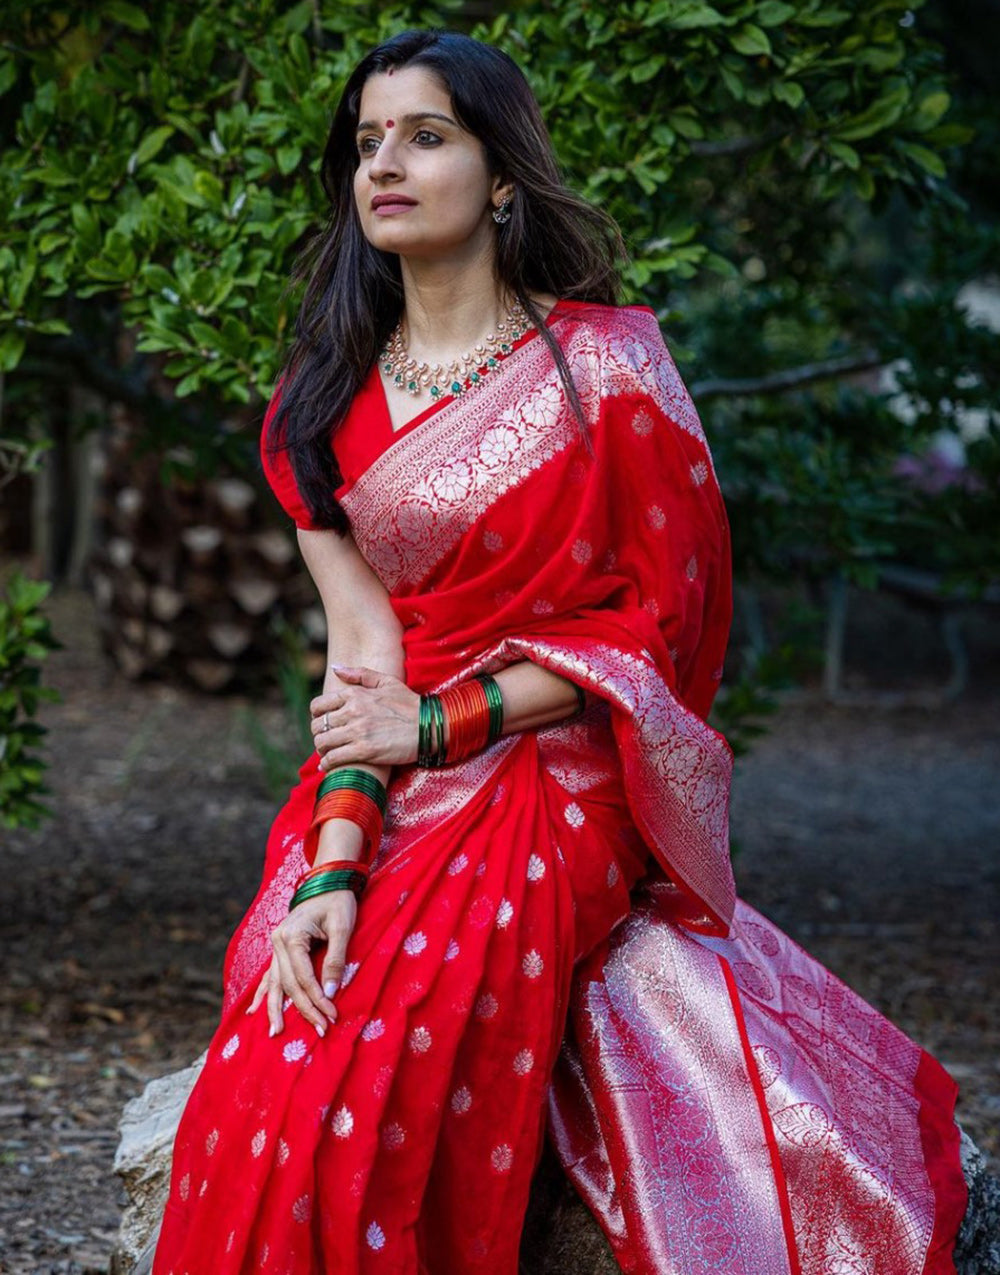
(422, 186)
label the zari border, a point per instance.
(414, 504)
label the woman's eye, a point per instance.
(368, 145)
(426, 138)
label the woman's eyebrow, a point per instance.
(413, 118)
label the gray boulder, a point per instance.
(560, 1235)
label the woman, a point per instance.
(523, 557)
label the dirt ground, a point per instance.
(869, 833)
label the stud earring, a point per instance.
(501, 215)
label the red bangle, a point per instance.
(333, 865)
(467, 713)
(356, 807)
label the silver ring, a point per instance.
(326, 721)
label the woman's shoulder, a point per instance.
(609, 324)
(618, 353)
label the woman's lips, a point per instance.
(389, 205)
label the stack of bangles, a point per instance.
(459, 722)
(358, 796)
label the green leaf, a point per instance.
(152, 143)
(882, 113)
(751, 41)
(790, 92)
(846, 154)
(772, 13)
(927, 159)
(129, 15)
(690, 17)
(930, 109)
(12, 345)
(288, 158)
(8, 73)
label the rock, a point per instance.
(142, 1161)
(977, 1251)
(559, 1234)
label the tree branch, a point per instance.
(132, 389)
(791, 378)
(731, 146)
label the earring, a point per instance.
(501, 215)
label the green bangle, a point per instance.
(494, 699)
(430, 732)
(357, 780)
(437, 718)
(424, 731)
(326, 884)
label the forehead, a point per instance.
(403, 91)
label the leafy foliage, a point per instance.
(168, 156)
(25, 640)
(781, 169)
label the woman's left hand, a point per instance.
(370, 717)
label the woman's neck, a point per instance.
(449, 307)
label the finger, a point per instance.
(275, 1014)
(328, 702)
(260, 993)
(332, 971)
(310, 999)
(359, 676)
(290, 976)
(349, 754)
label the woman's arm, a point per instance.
(362, 628)
(372, 716)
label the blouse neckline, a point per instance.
(430, 410)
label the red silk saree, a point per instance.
(551, 936)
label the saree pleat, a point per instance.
(551, 931)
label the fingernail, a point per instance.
(272, 1030)
(330, 989)
(320, 1029)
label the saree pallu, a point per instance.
(551, 935)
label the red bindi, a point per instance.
(390, 123)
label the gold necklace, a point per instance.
(454, 378)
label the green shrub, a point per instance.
(25, 640)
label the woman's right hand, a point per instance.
(328, 918)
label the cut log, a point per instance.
(274, 547)
(159, 641)
(230, 640)
(201, 543)
(210, 675)
(234, 497)
(165, 603)
(198, 561)
(560, 1235)
(254, 596)
(120, 552)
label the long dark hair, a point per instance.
(554, 242)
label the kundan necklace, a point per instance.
(454, 378)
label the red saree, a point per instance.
(551, 932)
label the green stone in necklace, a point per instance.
(413, 378)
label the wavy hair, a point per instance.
(554, 242)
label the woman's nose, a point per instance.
(386, 162)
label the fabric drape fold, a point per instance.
(552, 928)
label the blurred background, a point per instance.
(810, 196)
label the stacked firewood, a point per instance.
(193, 577)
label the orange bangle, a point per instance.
(356, 807)
(467, 712)
(333, 865)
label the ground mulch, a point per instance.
(869, 832)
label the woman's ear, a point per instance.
(502, 192)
